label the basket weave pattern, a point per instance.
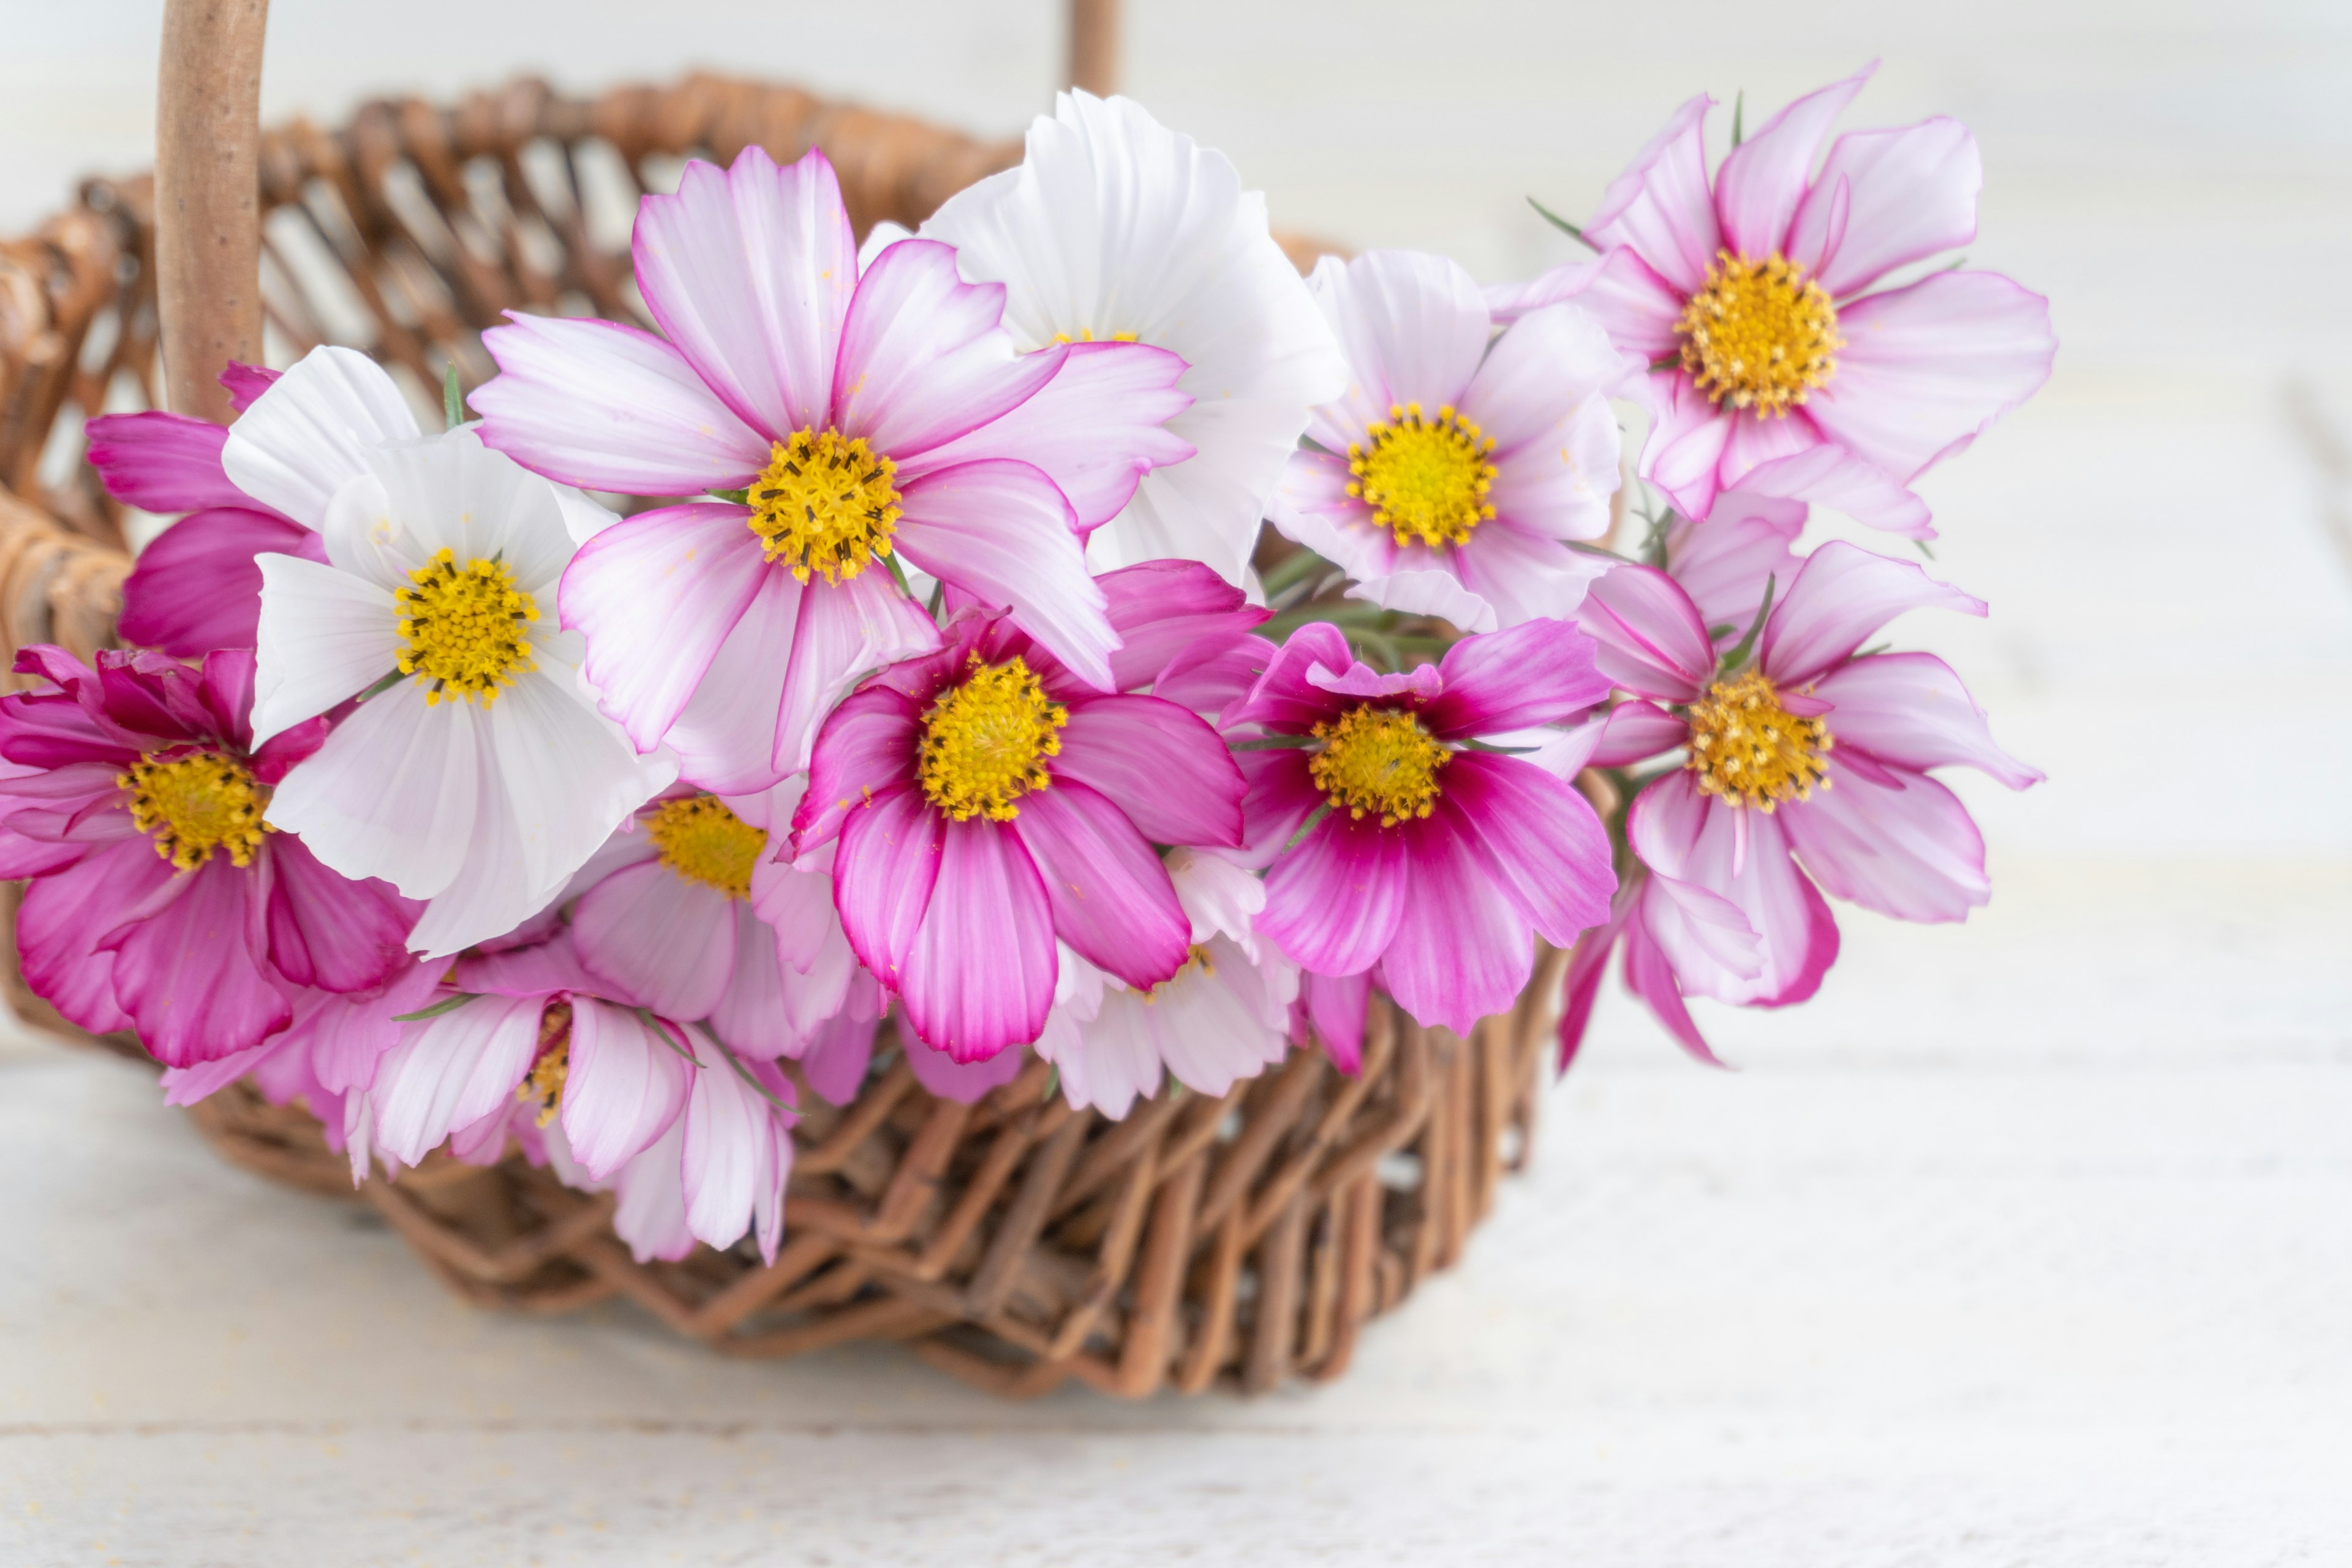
(1014, 1242)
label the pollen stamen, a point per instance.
(194, 804)
(824, 504)
(462, 630)
(1426, 480)
(1750, 749)
(701, 840)
(985, 741)
(1759, 335)
(1377, 760)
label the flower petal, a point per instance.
(1002, 532)
(624, 1085)
(1925, 370)
(1651, 640)
(1462, 950)
(1109, 895)
(329, 932)
(884, 874)
(1162, 609)
(1661, 205)
(192, 974)
(1166, 771)
(568, 776)
(1841, 597)
(963, 1082)
(664, 942)
(846, 631)
(1095, 429)
(197, 586)
(866, 749)
(979, 976)
(737, 1154)
(1892, 841)
(1637, 731)
(749, 272)
(1650, 975)
(392, 794)
(163, 462)
(1333, 902)
(1634, 305)
(1762, 180)
(1542, 846)
(1538, 672)
(923, 357)
(323, 636)
(1741, 855)
(612, 408)
(656, 596)
(1336, 1005)
(1910, 709)
(1828, 474)
(301, 440)
(1414, 326)
(1909, 194)
(451, 1071)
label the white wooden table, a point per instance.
(2030, 1242)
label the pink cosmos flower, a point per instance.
(987, 800)
(1398, 842)
(865, 416)
(1749, 297)
(1805, 770)
(195, 586)
(132, 797)
(1450, 477)
(692, 915)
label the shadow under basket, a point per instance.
(1014, 1242)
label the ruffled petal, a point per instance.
(1908, 195)
(1542, 396)
(1167, 772)
(1109, 895)
(867, 747)
(749, 272)
(1910, 709)
(328, 931)
(1841, 598)
(1635, 732)
(1661, 205)
(197, 586)
(64, 914)
(846, 631)
(1162, 609)
(611, 407)
(655, 598)
(1687, 438)
(1650, 975)
(308, 434)
(1002, 532)
(1725, 562)
(1925, 370)
(1826, 474)
(1740, 855)
(1461, 950)
(1634, 305)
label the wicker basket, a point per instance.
(1014, 1242)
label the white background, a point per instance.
(2029, 1242)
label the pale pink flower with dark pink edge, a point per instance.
(1750, 294)
(988, 801)
(1807, 766)
(1452, 476)
(1399, 845)
(868, 416)
(691, 913)
(195, 586)
(133, 796)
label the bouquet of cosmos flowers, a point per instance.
(889, 632)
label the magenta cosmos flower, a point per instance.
(986, 800)
(1408, 847)
(132, 797)
(1804, 771)
(864, 417)
(1451, 475)
(1750, 299)
(195, 586)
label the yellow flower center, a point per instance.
(1760, 336)
(544, 1085)
(1378, 760)
(704, 842)
(193, 805)
(824, 504)
(1750, 749)
(1426, 480)
(463, 629)
(986, 740)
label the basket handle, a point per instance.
(208, 198)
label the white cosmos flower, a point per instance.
(1223, 1017)
(1115, 226)
(484, 778)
